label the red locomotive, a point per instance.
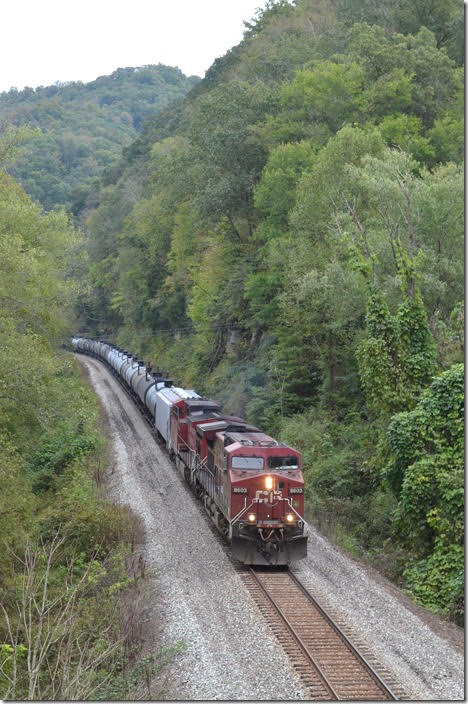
(251, 485)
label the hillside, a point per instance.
(83, 127)
(289, 239)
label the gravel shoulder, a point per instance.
(424, 655)
(230, 653)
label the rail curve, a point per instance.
(330, 666)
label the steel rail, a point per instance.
(324, 679)
(385, 688)
(350, 647)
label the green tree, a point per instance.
(443, 17)
(404, 131)
(35, 293)
(397, 355)
(230, 155)
(411, 71)
(317, 103)
(276, 192)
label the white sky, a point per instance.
(44, 41)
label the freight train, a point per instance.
(250, 484)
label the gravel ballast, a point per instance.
(230, 653)
(426, 666)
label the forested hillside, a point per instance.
(289, 239)
(82, 127)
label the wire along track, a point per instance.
(328, 663)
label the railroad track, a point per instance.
(326, 660)
(330, 666)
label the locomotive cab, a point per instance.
(179, 423)
(211, 473)
(267, 499)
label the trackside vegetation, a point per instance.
(69, 605)
(289, 239)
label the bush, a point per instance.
(335, 454)
(57, 450)
(437, 582)
(92, 526)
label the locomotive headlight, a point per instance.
(268, 482)
(289, 517)
(251, 517)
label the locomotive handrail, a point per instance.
(191, 452)
(294, 511)
(238, 515)
(202, 464)
(189, 449)
(243, 510)
(195, 456)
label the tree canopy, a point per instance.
(82, 127)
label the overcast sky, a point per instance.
(44, 41)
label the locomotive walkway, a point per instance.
(328, 663)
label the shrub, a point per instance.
(437, 582)
(56, 451)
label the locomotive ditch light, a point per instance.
(251, 517)
(268, 482)
(289, 517)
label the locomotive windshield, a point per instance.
(247, 463)
(289, 462)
